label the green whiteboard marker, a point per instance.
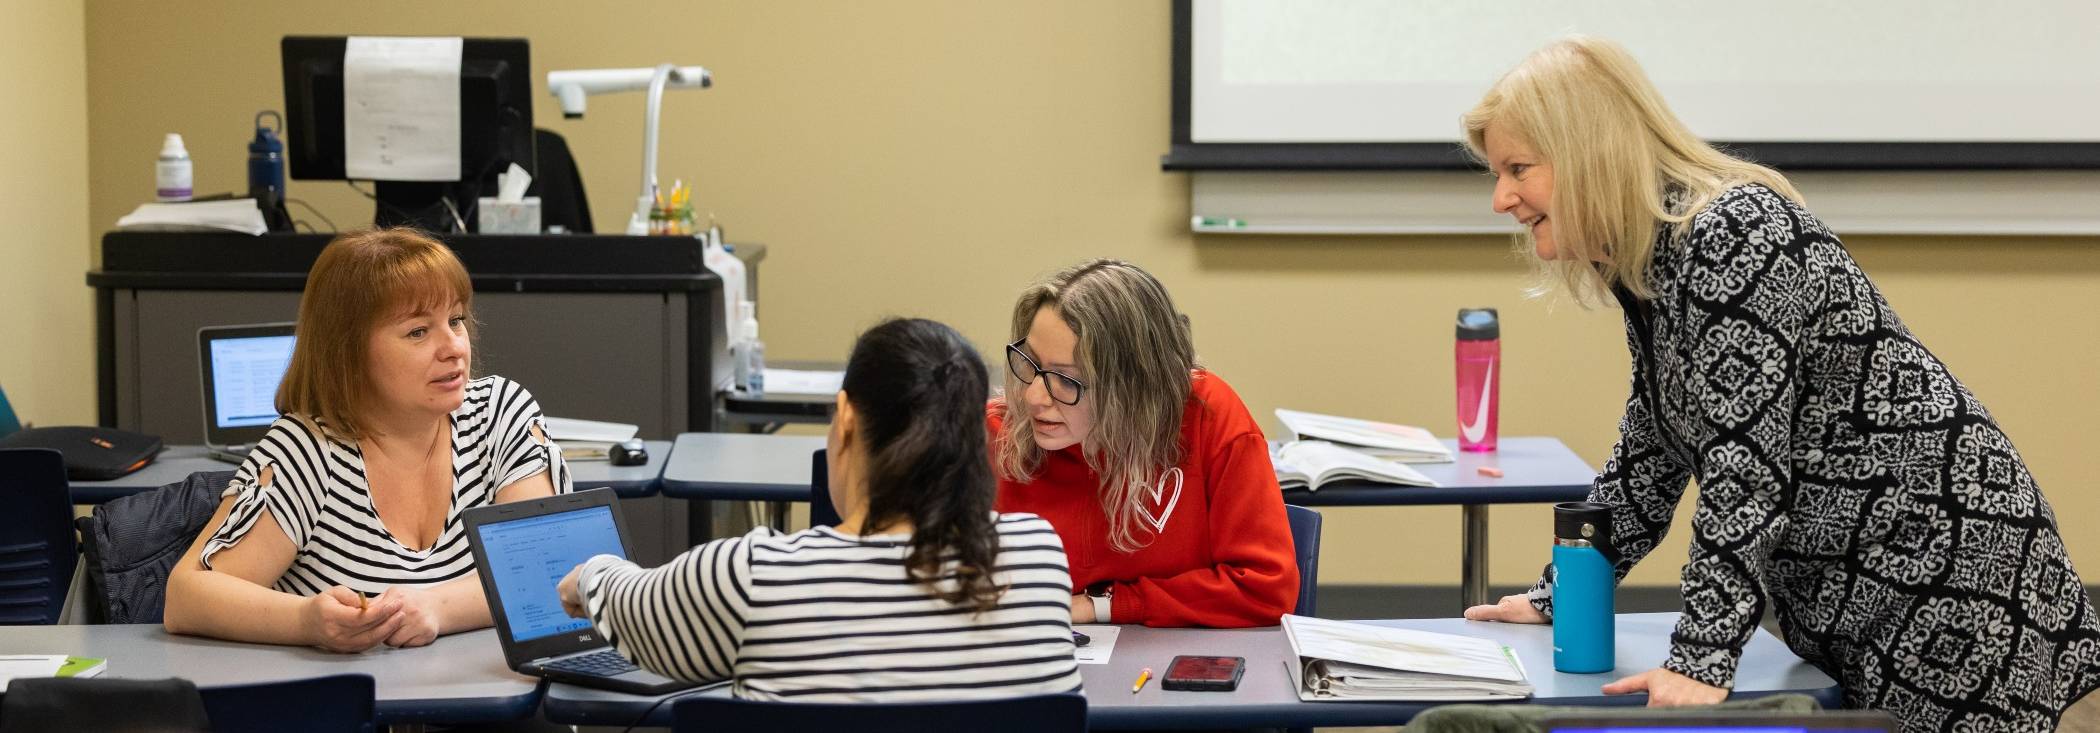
(1216, 222)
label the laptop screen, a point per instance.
(245, 371)
(528, 557)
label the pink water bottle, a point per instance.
(1479, 383)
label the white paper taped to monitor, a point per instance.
(401, 108)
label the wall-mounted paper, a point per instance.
(401, 108)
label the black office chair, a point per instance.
(335, 704)
(1305, 541)
(37, 550)
(821, 512)
(1036, 714)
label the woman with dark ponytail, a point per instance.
(921, 592)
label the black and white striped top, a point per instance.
(820, 616)
(318, 494)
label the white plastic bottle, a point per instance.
(751, 364)
(171, 175)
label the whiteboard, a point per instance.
(1821, 71)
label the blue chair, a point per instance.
(334, 704)
(1036, 714)
(8, 423)
(821, 512)
(37, 546)
(1305, 538)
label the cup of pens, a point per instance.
(672, 213)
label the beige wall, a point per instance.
(928, 158)
(47, 343)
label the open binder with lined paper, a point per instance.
(1341, 661)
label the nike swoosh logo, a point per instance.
(1477, 429)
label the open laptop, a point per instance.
(523, 549)
(1734, 721)
(241, 367)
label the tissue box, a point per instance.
(497, 217)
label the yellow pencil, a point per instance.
(1140, 684)
(360, 602)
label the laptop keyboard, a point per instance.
(605, 663)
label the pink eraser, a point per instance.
(1490, 471)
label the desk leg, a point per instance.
(1473, 563)
(779, 512)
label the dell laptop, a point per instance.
(241, 366)
(524, 548)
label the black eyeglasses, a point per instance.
(1063, 387)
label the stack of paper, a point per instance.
(1338, 660)
(804, 381)
(1311, 464)
(233, 215)
(22, 666)
(1402, 443)
(582, 439)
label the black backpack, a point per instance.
(130, 544)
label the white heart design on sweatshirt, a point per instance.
(1162, 500)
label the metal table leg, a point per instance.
(1473, 562)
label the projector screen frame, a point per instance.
(1184, 154)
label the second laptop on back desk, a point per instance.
(241, 367)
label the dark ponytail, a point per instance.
(919, 391)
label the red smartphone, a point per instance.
(1207, 674)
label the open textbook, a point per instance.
(1392, 442)
(1339, 660)
(1311, 464)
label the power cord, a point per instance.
(317, 214)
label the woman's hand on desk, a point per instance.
(1516, 609)
(340, 620)
(419, 616)
(1668, 689)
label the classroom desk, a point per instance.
(1534, 470)
(1265, 696)
(741, 467)
(177, 462)
(766, 412)
(459, 679)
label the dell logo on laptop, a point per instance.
(583, 637)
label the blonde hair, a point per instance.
(361, 279)
(1623, 164)
(1138, 358)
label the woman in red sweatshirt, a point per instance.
(1150, 468)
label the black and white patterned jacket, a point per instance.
(1845, 476)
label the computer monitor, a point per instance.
(495, 127)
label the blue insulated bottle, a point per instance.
(1582, 588)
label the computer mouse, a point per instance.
(628, 453)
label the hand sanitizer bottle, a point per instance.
(751, 364)
(171, 175)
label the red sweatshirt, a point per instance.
(1222, 553)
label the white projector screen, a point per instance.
(1876, 83)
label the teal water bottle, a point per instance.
(1582, 588)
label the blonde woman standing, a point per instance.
(1151, 469)
(1845, 476)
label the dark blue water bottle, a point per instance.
(1582, 588)
(266, 172)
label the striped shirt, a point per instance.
(319, 497)
(820, 616)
